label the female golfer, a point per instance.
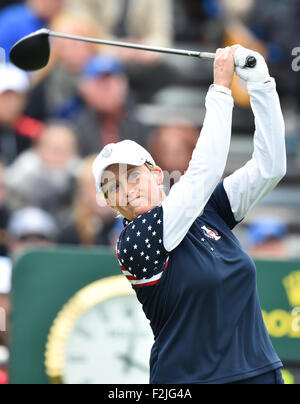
(196, 283)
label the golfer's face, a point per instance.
(132, 190)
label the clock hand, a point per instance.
(132, 363)
(132, 340)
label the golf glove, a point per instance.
(257, 74)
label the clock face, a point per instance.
(109, 344)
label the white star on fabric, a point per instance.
(149, 230)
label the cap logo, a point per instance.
(107, 152)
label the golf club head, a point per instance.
(32, 52)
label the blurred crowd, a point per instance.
(54, 121)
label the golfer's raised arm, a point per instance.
(189, 196)
(248, 185)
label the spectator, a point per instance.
(54, 92)
(171, 146)
(3, 365)
(43, 175)
(16, 129)
(5, 277)
(20, 20)
(4, 358)
(107, 114)
(29, 228)
(197, 21)
(4, 214)
(5, 280)
(3, 377)
(115, 233)
(90, 224)
(276, 23)
(266, 238)
(237, 10)
(236, 30)
(5, 289)
(5, 3)
(148, 22)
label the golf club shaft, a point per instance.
(201, 55)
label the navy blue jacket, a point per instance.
(201, 298)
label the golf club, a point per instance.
(33, 51)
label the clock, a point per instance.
(101, 336)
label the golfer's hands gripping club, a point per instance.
(224, 66)
(257, 74)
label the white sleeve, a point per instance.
(262, 173)
(189, 196)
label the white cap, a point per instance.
(13, 79)
(125, 152)
(4, 355)
(5, 277)
(31, 221)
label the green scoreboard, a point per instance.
(49, 286)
